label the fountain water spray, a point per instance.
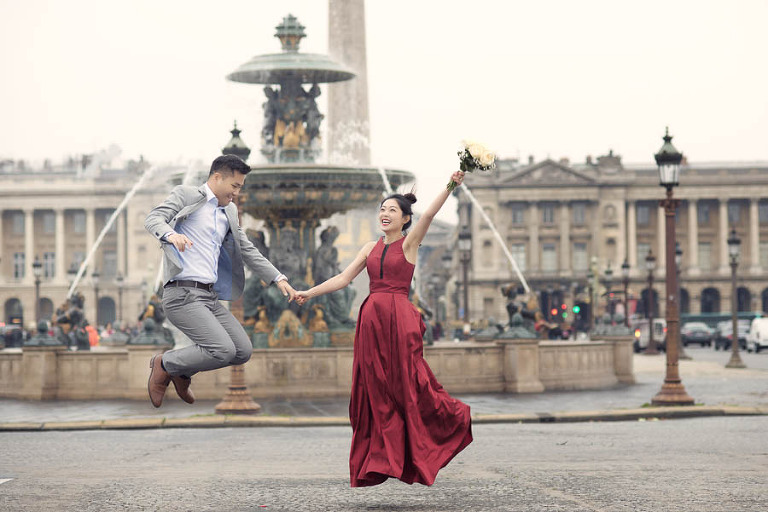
(387, 186)
(487, 219)
(128, 196)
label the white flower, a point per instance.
(476, 150)
(486, 158)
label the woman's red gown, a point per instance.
(404, 424)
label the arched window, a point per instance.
(106, 311)
(710, 300)
(45, 308)
(765, 300)
(743, 299)
(642, 304)
(685, 301)
(14, 312)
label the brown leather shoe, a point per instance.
(158, 381)
(182, 388)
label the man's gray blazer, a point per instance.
(235, 250)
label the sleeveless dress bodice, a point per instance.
(388, 270)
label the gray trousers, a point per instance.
(218, 338)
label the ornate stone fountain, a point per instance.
(292, 194)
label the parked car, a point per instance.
(758, 335)
(640, 327)
(724, 335)
(696, 332)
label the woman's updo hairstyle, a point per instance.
(405, 201)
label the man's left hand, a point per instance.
(287, 290)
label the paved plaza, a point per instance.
(695, 464)
(701, 465)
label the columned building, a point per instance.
(54, 216)
(561, 220)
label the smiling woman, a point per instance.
(404, 424)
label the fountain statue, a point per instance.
(42, 338)
(70, 323)
(292, 193)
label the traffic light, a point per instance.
(576, 309)
(553, 312)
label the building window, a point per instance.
(733, 213)
(548, 258)
(78, 258)
(580, 260)
(49, 223)
(579, 213)
(110, 264)
(518, 215)
(642, 253)
(705, 255)
(643, 215)
(18, 265)
(78, 219)
(113, 227)
(49, 264)
(488, 307)
(764, 255)
(548, 214)
(486, 254)
(518, 253)
(762, 212)
(18, 223)
(703, 213)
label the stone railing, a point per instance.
(512, 366)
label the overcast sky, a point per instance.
(557, 78)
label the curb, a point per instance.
(229, 421)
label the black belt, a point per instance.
(189, 284)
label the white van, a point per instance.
(640, 328)
(757, 338)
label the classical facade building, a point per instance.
(561, 220)
(55, 215)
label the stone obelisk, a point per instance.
(348, 128)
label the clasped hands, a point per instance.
(301, 297)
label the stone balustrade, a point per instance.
(511, 366)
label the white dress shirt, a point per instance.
(206, 228)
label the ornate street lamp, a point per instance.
(590, 278)
(37, 270)
(465, 252)
(625, 279)
(120, 282)
(95, 280)
(672, 391)
(650, 266)
(608, 285)
(679, 267)
(734, 249)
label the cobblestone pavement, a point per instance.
(701, 465)
(705, 378)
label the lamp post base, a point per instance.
(672, 393)
(735, 362)
(237, 400)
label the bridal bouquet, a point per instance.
(474, 155)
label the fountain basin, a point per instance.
(314, 191)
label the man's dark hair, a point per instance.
(229, 164)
